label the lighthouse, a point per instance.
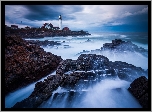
(60, 22)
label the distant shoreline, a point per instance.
(43, 32)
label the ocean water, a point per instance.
(12, 98)
(104, 94)
(71, 47)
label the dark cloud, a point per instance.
(41, 12)
(134, 23)
(137, 19)
(50, 12)
(33, 15)
(72, 8)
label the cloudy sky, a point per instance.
(132, 18)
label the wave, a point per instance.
(106, 94)
(123, 36)
(22, 93)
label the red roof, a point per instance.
(65, 28)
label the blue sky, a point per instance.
(131, 18)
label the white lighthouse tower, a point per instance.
(60, 22)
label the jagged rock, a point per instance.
(119, 46)
(82, 73)
(139, 89)
(26, 63)
(43, 43)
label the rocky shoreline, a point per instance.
(43, 32)
(43, 43)
(119, 46)
(26, 63)
(86, 71)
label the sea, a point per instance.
(102, 94)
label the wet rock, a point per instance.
(32, 102)
(43, 43)
(84, 72)
(26, 63)
(139, 89)
(118, 46)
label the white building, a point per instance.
(60, 22)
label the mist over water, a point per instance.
(109, 94)
(135, 58)
(76, 45)
(105, 94)
(20, 94)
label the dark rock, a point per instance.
(43, 32)
(82, 73)
(26, 63)
(139, 89)
(32, 102)
(119, 46)
(43, 43)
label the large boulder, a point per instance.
(139, 89)
(118, 46)
(26, 63)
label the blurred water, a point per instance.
(76, 45)
(20, 94)
(103, 94)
